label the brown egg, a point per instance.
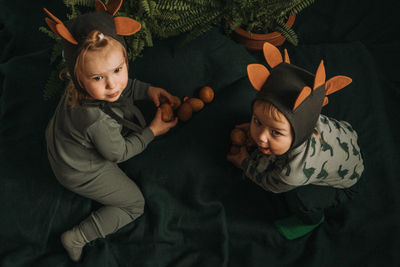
(238, 137)
(234, 150)
(176, 102)
(206, 94)
(185, 111)
(167, 113)
(196, 103)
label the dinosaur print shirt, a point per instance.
(331, 159)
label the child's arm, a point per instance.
(266, 174)
(107, 139)
(238, 158)
(142, 90)
(138, 89)
(261, 171)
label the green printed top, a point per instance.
(333, 159)
(82, 140)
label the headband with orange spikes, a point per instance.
(295, 92)
(74, 32)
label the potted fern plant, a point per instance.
(253, 22)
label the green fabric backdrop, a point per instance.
(199, 210)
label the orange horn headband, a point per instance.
(258, 75)
(123, 25)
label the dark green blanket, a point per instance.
(199, 210)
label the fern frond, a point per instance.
(86, 3)
(288, 33)
(49, 33)
(54, 85)
(56, 52)
(302, 5)
(146, 6)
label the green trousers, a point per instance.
(123, 201)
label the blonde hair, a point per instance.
(95, 41)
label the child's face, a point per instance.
(105, 73)
(271, 136)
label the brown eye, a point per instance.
(276, 133)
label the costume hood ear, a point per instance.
(258, 75)
(335, 84)
(287, 59)
(320, 76)
(305, 92)
(272, 55)
(126, 26)
(123, 25)
(58, 27)
(112, 7)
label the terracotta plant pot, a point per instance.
(255, 41)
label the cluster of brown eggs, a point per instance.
(184, 110)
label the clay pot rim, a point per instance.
(262, 36)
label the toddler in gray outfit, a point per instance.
(96, 124)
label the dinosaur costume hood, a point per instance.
(74, 32)
(295, 92)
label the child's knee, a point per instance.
(136, 208)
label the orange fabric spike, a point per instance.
(113, 6)
(99, 6)
(305, 92)
(64, 33)
(54, 18)
(325, 101)
(126, 26)
(336, 83)
(272, 55)
(258, 75)
(287, 59)
(58, 27)
(52, 25)
(320, 76)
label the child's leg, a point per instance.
(123, 202)
(307, 203)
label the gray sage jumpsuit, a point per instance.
(84, 146)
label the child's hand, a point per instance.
(238, 158)
(159, 96)
(246, 128)
(158, 126)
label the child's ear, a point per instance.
(272, 55)
(258, 75)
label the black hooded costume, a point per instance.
(330, 164)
